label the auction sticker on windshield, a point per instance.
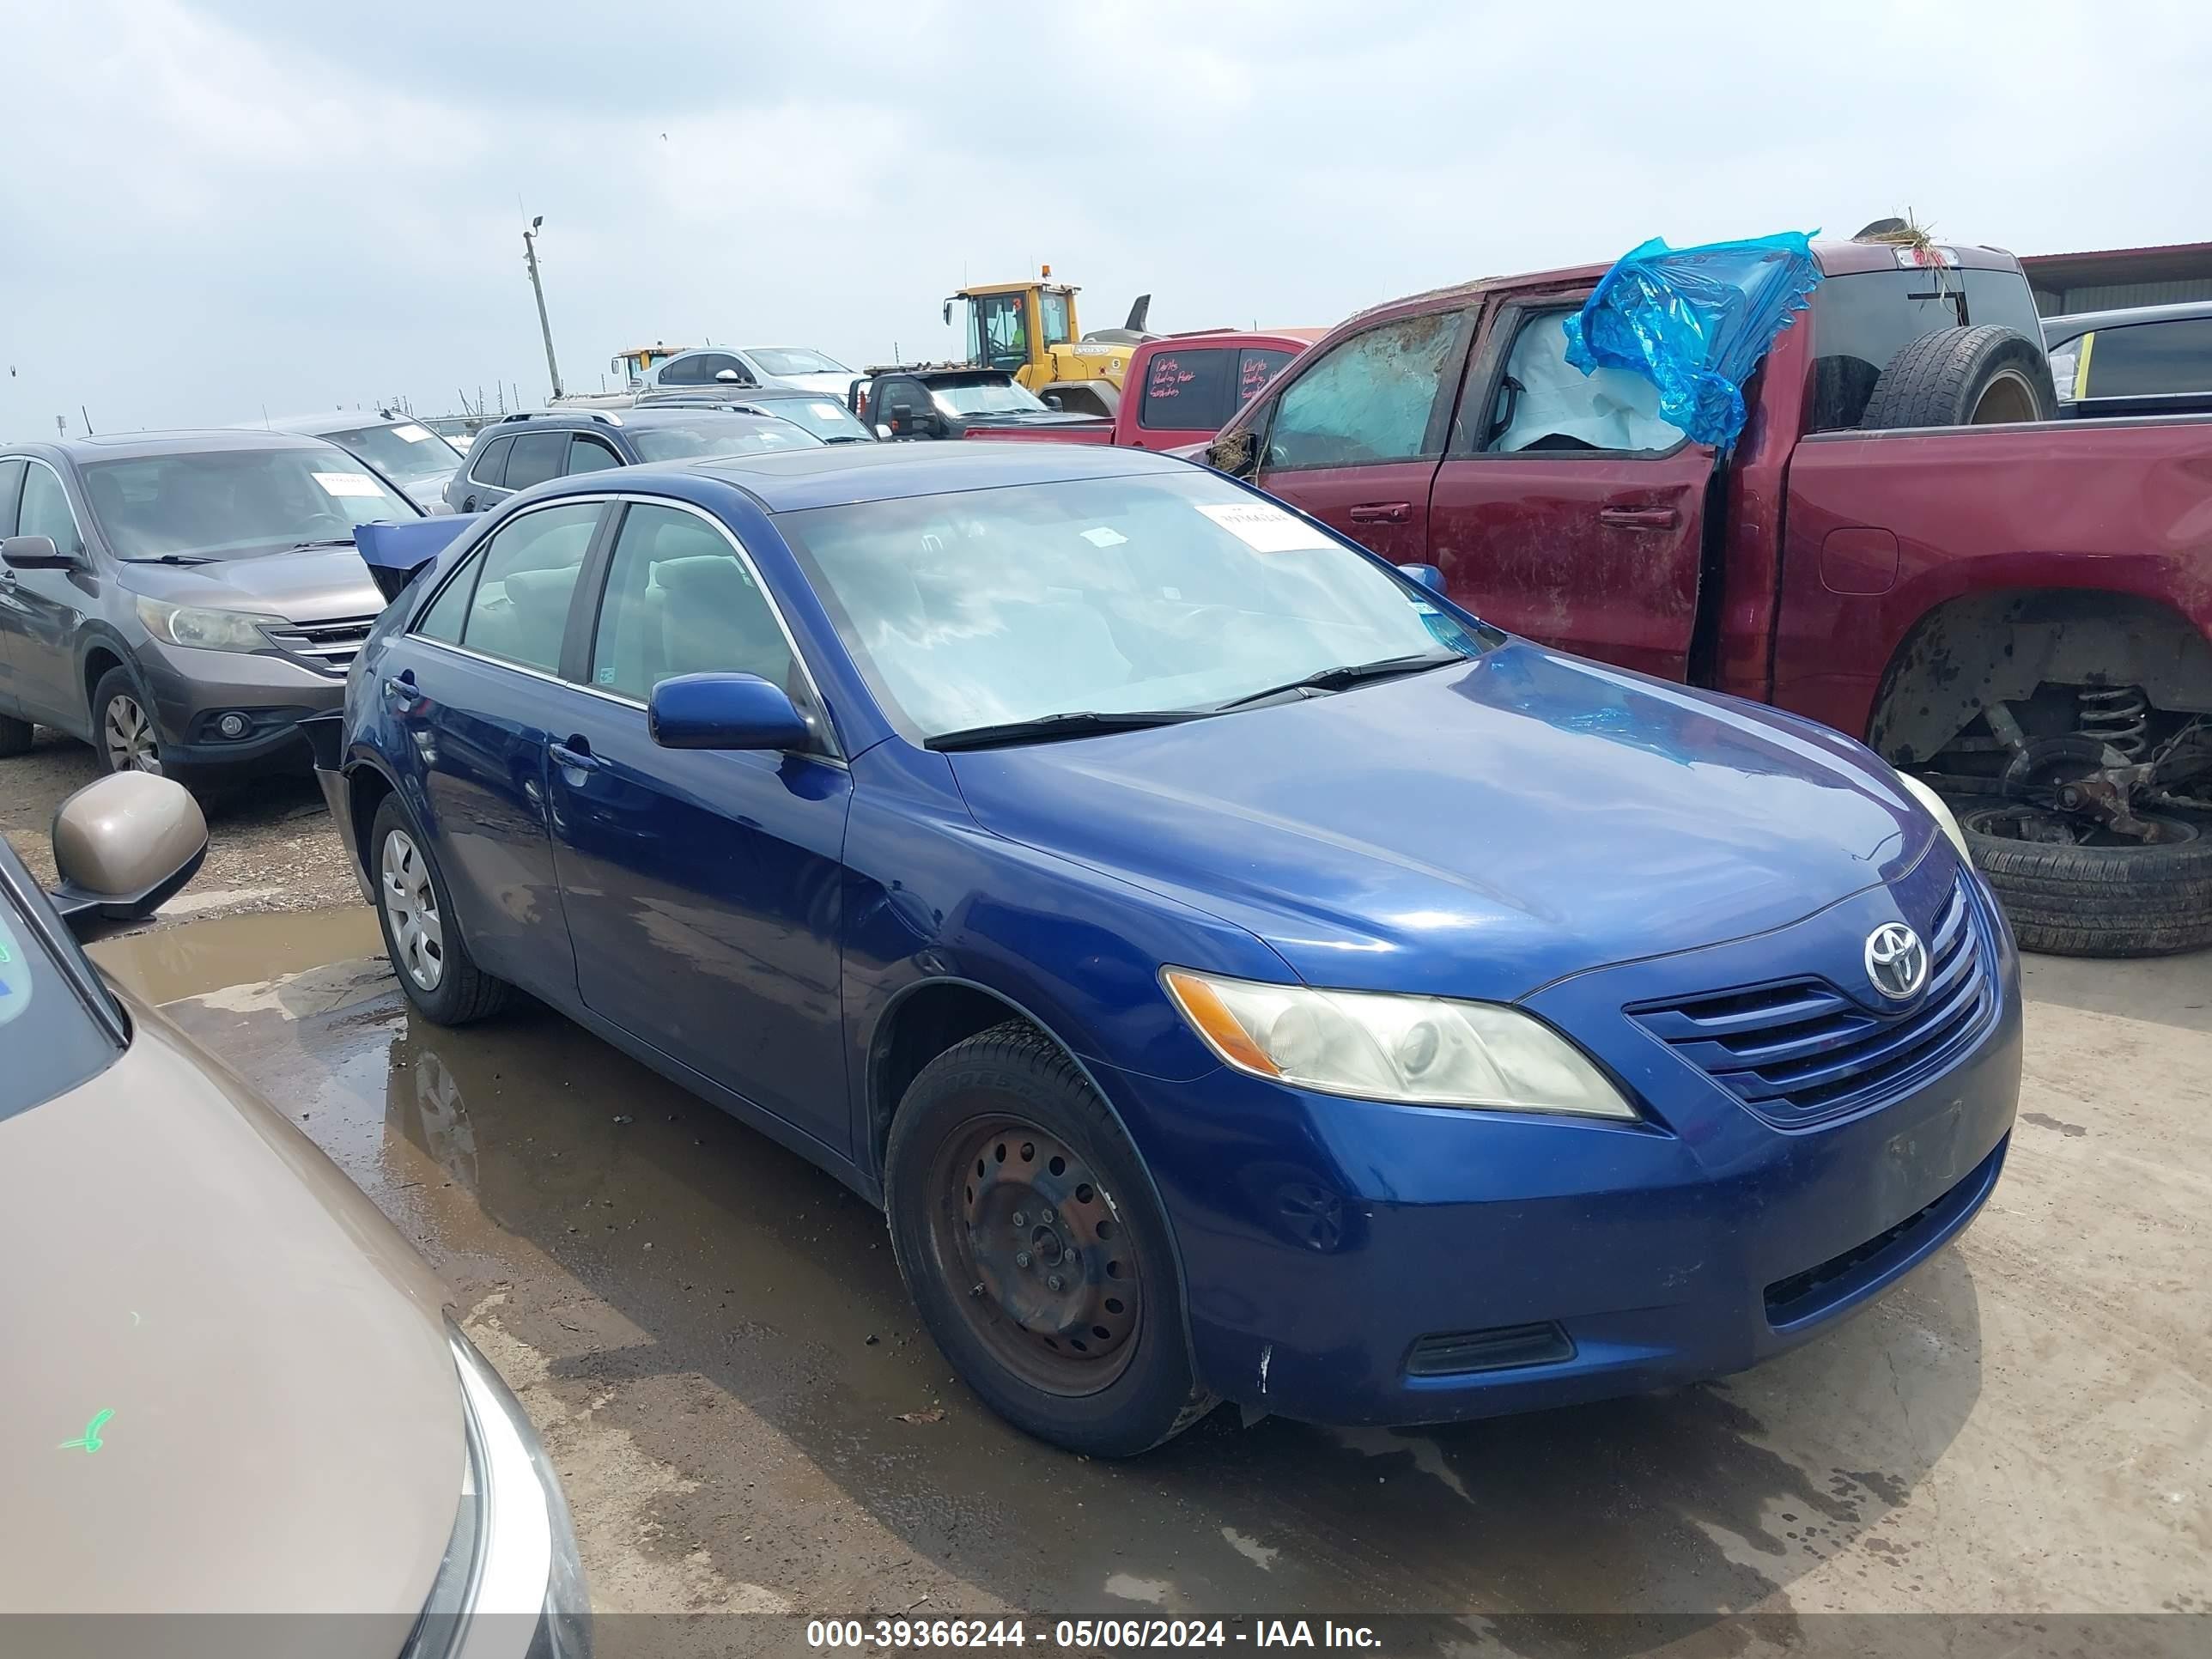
(414, 434)
(347, 483)
(1263, 528)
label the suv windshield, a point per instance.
(404, 451)
(725, 435)
(48, 1041)
(990, 396)
(792, 359)
(235, 503)
(1154, 592)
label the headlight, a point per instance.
(1426, 1051)
(1946, 820)
(510, 1584)
(206, 630)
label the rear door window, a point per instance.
(2143, 360)
(1863, 319)
(1256, 366)
(535, 457)
(1369, 399)
(526, 576)
(1189, 390)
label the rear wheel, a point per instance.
(2083, 891)
(421, 936)
(1026, 1231)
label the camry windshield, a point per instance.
(793, 360)
(986, 396)
(710, 435)
(236, 503)
(406, 451)
(1159, 592)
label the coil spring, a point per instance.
(2117, 716)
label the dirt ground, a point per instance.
(753, 1428)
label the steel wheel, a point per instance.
(2007, 399)
(1056, 1288)
(127, 737)
(411, 909)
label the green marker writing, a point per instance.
(90, 1438)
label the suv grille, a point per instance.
(1800, 1051)
(325, 646)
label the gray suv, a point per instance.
(181, 601)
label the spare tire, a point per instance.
(1980, 376)
(2122, 898)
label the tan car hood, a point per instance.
(286, 1432)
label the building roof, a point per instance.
(2173, 262)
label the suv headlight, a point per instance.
(1423, 1051)
(206, 630)
(1946, 820)
(510, 1584)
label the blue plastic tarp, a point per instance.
(1695, 321)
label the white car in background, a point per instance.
(409, 453)
(748, 365)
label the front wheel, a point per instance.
(122, 722)
(1028, 1236)
(421, 936)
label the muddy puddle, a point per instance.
(737, 1316)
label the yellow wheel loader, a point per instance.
(1029, 329)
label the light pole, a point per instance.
(530, 257)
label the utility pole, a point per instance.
(530, 257)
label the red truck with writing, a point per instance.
(1179, 390)
(1903, 544)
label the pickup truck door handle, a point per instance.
(1639, 518)
(575, 754)
(1382, 513)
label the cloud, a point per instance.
(212, 209)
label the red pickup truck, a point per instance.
(1179, 390)
(1902, 543)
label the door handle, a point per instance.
(1639, 518)
(1382, 513)
(575, 754)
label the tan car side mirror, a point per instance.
(123, 846)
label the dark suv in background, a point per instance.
(181, 600)
(529, 448)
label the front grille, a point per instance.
(325, 646)
(1800, 1051)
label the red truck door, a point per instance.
(1357, 430)
(1565, 508)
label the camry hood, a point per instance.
(279, 1420)
(1476, 831)
(318, 584)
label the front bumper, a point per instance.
(1325, 1239)
(190, 689)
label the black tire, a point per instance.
(463, 993)
(14, 736)
(1012, 1074)
(119, 697)
(1975, 376)
(2132, 901)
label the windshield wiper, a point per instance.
(1046, 728)
(328, 541)
(1346, 675)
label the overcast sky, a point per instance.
(209, 209)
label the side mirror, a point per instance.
(1052, 400)
(35, 553)
(1235, 453)
(729, 377)
(948, 313)
(1426, 574)
(124, 846)
(724, 711)
(883, 431)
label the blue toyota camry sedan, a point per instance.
(1238, 973)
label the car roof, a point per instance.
(2074, 324)
(589, 420)
(791, 481)
(132, 446)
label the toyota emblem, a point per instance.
(1896, 961)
